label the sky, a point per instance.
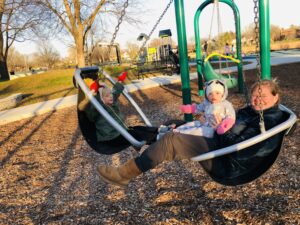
(282, 13)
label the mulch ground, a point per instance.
(48, 173)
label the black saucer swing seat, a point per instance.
(88, 128)
(222, 168)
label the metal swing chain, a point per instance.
(258, 65)
(216, 3)
(154, 27)
(216, 6)
(211, 22)
(118, 26)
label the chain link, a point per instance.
(258, 65)
(118, 25)
(154, 27)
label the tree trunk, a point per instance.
(3, 69)
(80, 50)
(3, 64)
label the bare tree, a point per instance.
(249, 33)
(48, 56)
(71, 57)
(78, 17)
(155, 42)
(191, 43)
(19, 19)
(16, 61)
(223, 38)
(275, 33)
(132, 50)
(11, 61)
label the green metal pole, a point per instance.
(183, 55)
(264, 24)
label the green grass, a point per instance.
(52, 84)
(40, 87)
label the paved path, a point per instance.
(280, 57)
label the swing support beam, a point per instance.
(183, 55)
(264, 25)
(264, 21)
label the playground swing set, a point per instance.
(263, 60)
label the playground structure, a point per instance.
(166, 44)
(161, 59)
(160, 53)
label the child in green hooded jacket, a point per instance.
(105, 132)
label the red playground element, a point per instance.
(122, 76)
(94, 86)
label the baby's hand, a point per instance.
(225, 125)
(188, 108)
(216, 120)
(200, 118)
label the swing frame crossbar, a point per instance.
(287, 125)
(101, 109)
